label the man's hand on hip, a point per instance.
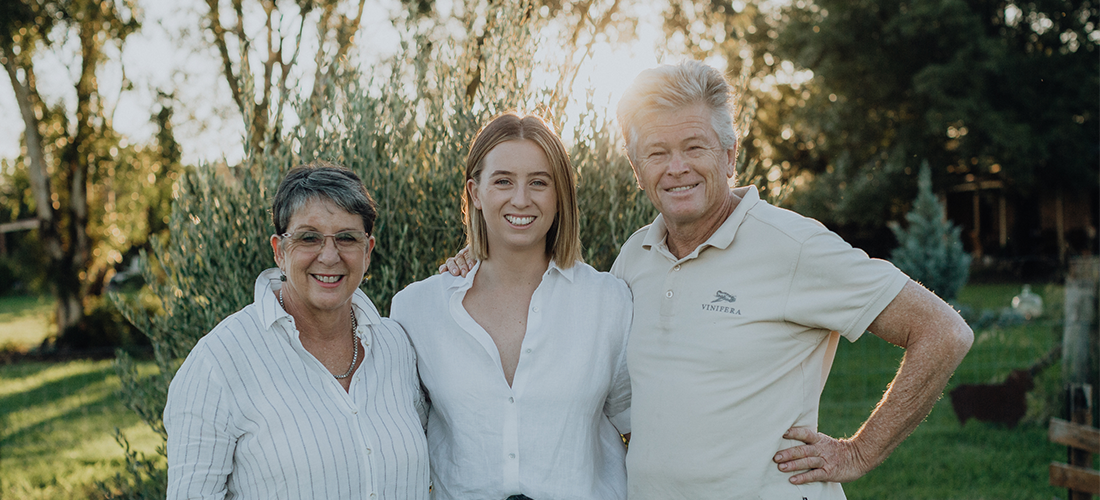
(824, 458)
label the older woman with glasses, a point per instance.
(307, 392)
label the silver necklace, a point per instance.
(354, 338)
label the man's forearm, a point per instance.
(935, 339)
(915, 389)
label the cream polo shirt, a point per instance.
(731, 346)
(252, 414)
(554, 434)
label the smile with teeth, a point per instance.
(520, 220)
(326, 278)
(681, 188)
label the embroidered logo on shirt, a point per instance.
(721, 296)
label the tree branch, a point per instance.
(26, 95)
(219, 31)
(345, 36)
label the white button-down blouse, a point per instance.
(555, 432)
(252, 415)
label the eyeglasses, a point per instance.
(313, 241)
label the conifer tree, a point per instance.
(929, 249)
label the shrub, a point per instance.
(929, 249)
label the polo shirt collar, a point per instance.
(658, 231)
(270, 311)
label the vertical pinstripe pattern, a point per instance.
(252, 415)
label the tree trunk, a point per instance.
(70, 308)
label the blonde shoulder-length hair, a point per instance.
(563, 241)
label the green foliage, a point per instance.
(25, 260)
(774, 146)
(612, 207)
(988, 90)
(97, 196)
(929, 249)
(145, 476)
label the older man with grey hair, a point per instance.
(738, 308)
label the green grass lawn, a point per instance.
(25, 321)
(58, 422)
(943, 460)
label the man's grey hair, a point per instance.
(670, 87)
(322, 180)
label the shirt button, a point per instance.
(511, 400)
(528, 351)
(668, 294)
(536, 308)
(368, 451)
(677, 268)
(372, 495)
(512, 456)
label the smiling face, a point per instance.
(684, 170)
(515, 195)
(321, 281)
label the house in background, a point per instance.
(1027, 235)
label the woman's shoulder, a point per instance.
(222, 344)
(235, 328)
(587, 275)
(428, 289)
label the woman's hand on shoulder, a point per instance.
(460, 264)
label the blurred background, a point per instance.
(142, 140)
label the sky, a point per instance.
(169, 54)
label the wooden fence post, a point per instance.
(1077, 349)
(1080, 316)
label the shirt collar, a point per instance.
(267, 301)
(658, 231)
(464, 283)
(566, 273)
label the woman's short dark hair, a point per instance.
(322, 180)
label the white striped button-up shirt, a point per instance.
(252, 415)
